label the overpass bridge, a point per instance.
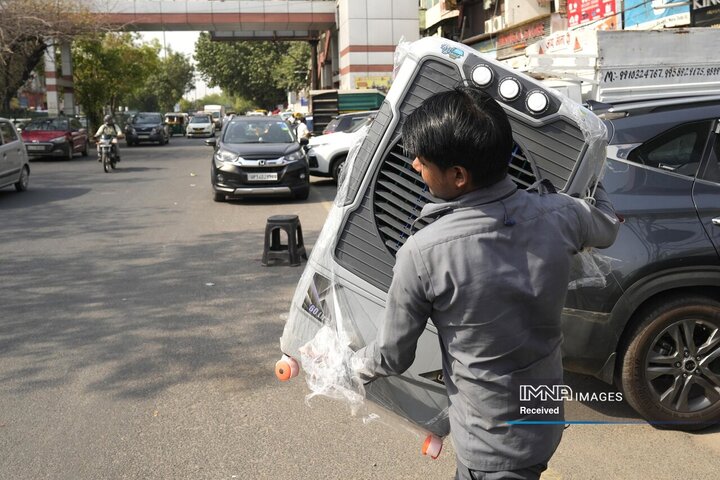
(238, 19)
(353, 40)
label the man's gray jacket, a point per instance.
(491, 272)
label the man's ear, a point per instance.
(462, 178)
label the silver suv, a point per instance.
(14, 168)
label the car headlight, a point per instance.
(154, 131)
(294, 157)
(224, 156)
(58, 140)
(131, 131)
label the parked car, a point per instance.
(327, 153)
(14, 168)
(201, 125)
(346, 121)
(146, 127)
(654, 330)
(258, 156)
(55, 137)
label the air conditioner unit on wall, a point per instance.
(489, 26)
(498, 23)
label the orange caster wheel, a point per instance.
(432, 446)
(286, 368)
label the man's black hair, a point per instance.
(462, 127)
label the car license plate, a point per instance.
(35, 147)
(262, 177)
(143, 135)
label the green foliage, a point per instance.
(260, 72)
(166, 85)
(25, 25)
(110, 70)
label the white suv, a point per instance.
(14, 168)
(327, 153)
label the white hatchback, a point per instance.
(14, 168)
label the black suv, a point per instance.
(258, 156)
(654, 329)
(147, 127)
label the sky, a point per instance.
(182, 42)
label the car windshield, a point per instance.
(48, 124)
(258, 131)
(147, 118)
(200, 119)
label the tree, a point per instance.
(26, 26)
(259, 71)
(110, 69)
(166, 85)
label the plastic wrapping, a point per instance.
(589, 269)
(401, 53)
(327, 362)
(333, 313)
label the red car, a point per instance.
(55, 137)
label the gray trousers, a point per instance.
(527, 473)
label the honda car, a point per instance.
(258, 156)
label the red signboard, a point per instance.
(580, 12)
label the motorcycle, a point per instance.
(106, 152)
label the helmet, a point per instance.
(298, 115)
(109, 119)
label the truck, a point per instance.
(217, 112)
(618, 66)
(327, 104)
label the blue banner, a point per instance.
(640, 13)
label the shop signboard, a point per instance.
(705, 13)
(648, 15)
(513, 42)
(581, 12)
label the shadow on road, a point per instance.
(9, 199)
(150, 317)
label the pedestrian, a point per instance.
(491, 272)
(301, 129)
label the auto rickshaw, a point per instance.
(177, 123)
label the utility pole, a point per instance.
(314, 64)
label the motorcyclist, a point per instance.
(109, 128)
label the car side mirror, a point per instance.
(304, 141)
(211, 142)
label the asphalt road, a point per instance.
(138, 336)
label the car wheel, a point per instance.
(219, 197)
(671, 366)
(338, 167)
(22, 184)
(86, 148)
